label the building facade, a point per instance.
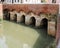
(29, 1)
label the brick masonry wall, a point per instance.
(44, 8)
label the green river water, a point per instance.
(22, 36)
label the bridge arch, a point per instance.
(6, 14)
(21, 15)
(32, 21)
(15, 17)
(44, 22)
(13, 10)
(22, 18)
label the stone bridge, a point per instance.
(37, 15)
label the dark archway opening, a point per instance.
(23, 19)
(44, 23)
(8, 17)
(2, 0)
(6, 14)
(33, 21)
(53, 1)
(15, 17)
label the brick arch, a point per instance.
(32, 20)
(41, 12)
(23, 18)
(15, 17)
(6, 9)
(6, 14)
(44, 22)
(13, 10)
(29, 12)
(43, 15)
(20, 10)
(45, 18)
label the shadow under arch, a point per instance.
(32, 21)
(44, 40)
(44, 23)
(23, 19)
(2, 0)
(15, 17)
(6, 14)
